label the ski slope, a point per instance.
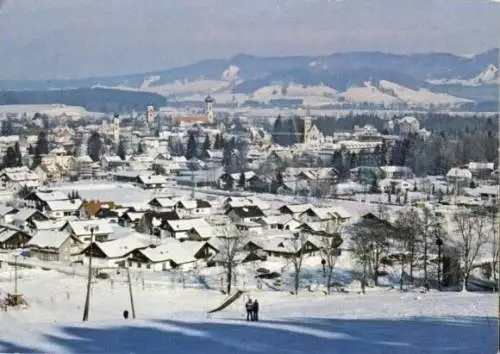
(172, 318)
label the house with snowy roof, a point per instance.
(25, 217)
(188, 229)
(16, 178)
(245, 213)
(116, 252)
(152, 181)
(324, 215)
(12, 238)
(171, 254)
(459, 178)
(196, 208)
(50, 245)
(279, 222)
(83, 229)
(294, 209)
(163, 204)
(39, 199)
(57, 209)
(7, 213)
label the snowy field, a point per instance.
(172, 318)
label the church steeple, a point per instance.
(307, 125)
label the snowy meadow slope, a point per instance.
(172, 318)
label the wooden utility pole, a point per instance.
(89, 280)
(132, 307)
(15, 275)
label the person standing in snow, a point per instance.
(249, 308)
(255, 310)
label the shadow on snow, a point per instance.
(308, 335)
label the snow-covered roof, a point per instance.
(277, 219)
(481, 166)
(166, 202)
(48, 239)
(24, 213)
(152, 179)
(122, 246)
(459, 173)
(64, 205)
(172, 249)
(4, 209)
(50, 196)
(49, 224)
(82, 227)
(187, 224)
(6, 233)
(297, 208)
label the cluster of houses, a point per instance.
(170, 232)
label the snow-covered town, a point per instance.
(254, 177)
(189, 216)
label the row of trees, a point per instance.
(233, 242)
(419, 236)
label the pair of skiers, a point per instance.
(252, 308)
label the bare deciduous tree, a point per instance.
(369, 243)
(407, 233)
(329, 251)
(231, 244)
(470, 228)
(428, 226)
(493, 218)
(296, 247)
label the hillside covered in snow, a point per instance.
(416, 80)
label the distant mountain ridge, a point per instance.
(466, 78)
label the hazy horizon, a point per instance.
(59, 39)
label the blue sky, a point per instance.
(81, 38)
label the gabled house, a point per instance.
(197, 208)
(171, 254)
(54, 246)
(39, 200)
(232, 202)
(287, 248)
(16, 177)
(83, 229)
(294, 210)
(259, 184)
(56, 209)
(25, 217)
(152, 181)
(245, 213)
(161, 204)
(131, 218)
(186, 229)
(279, 222)
(152, 221)
(324, 215)
(115, 253)
(481, 170)
(110, 162)
(233, 179)
(7, 213)
(12, 238)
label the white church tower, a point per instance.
(116, 129)
(312, 135)
(307, 126)
(209, 112)
(150, 115)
